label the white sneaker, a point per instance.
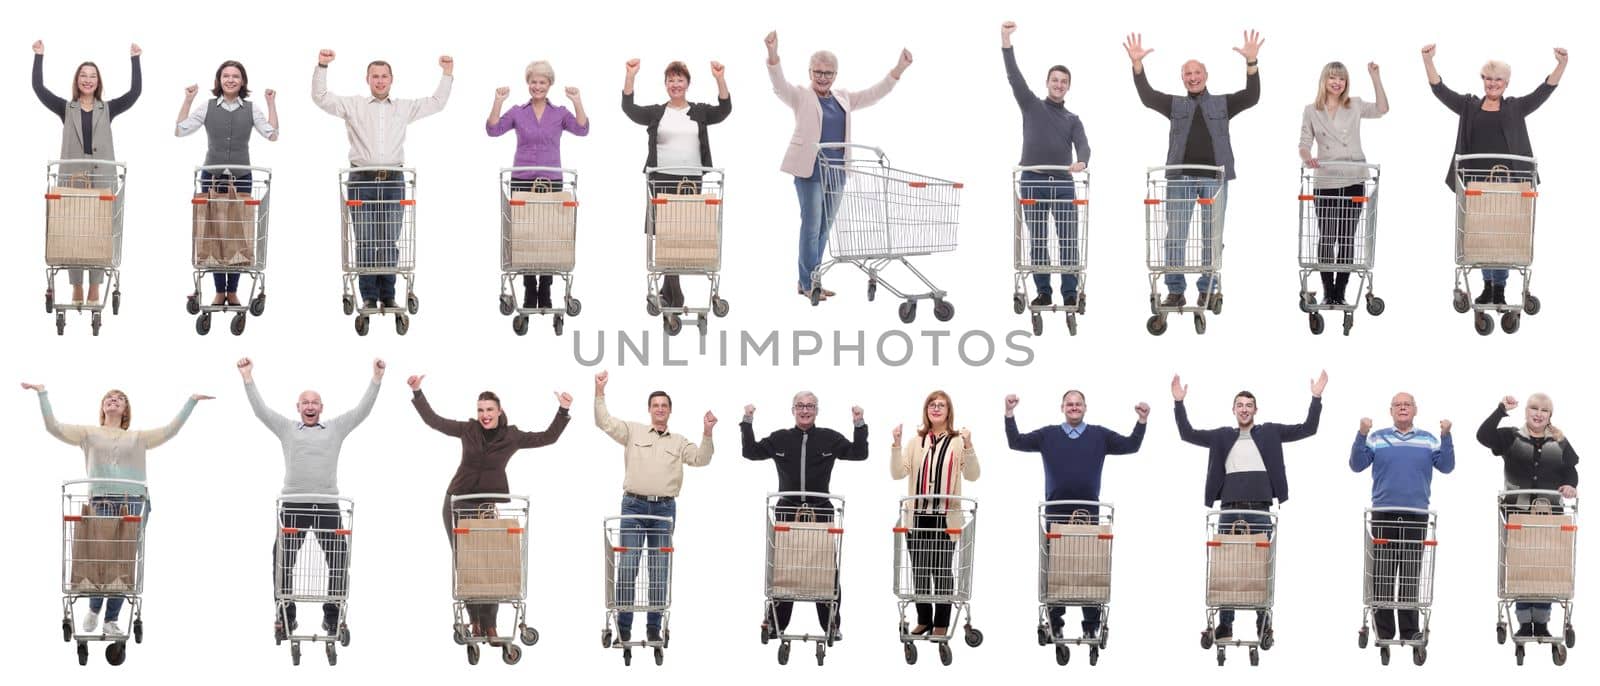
(113, 630)
(90, 622)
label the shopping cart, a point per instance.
(1040, 194)
(230, 236)
(805, 543)
(1075, 539)
(83, 233)
(378, 213)
(1537, 564)
(633, 585)
(683, 237)
(1399, 552)
(102, 558)
(880, 217)
(311, 564)
(538, 237)
(1177, 197)
(1338, 234)
(1241, 563)
(490, 542)
(1494, 230)
(934, 544)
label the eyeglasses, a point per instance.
(938, 404)
(1494, 79)
(823, 74)
(802, 407)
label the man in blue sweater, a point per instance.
(1074, 455)
(1402, 458)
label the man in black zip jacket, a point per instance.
(804, 456)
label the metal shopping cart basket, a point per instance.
(1044, 196)
(490, 546)
(83, 202)
(1399, 550)
(230, 237)
(934, 545)
(538, 238)
(1537, 563)
(1241, 571)
(683, 237)
(378, 213)
(638, 551)
(805, 544)
(1075, 538)
(311, 564)
(102, 559)
(1338, 235)
(1494, 230)
(881, 216)
(1176, 198)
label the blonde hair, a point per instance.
(127, 408)
(539, 68)
(949, 413)
(1497, 68)
(1549, 407)
(1329, 70)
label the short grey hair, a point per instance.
(539, 68)
(823, 57)
(804, 394)
(1497, 68)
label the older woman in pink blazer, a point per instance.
(821, 115)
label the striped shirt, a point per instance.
(938, 471)
(1402, 465)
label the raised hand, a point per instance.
(377, 369)
(1179, 389)
(190, 91)
(501, 93)
(1318, 384)
(272, 97)
(1143, 410)
(1366, 426)
(245, 367)
(771, 40)
(710, 421)
(134, 50)
(37, 387)
(324, 56)
(564, 399)
(448, 64)
(905, 60)
(749, 410)
(857, 414)
(199, 397)
(1372, 69)
(1561, 56)
(1006, 29)
(717, 70)
(896, 434)
(600, 382)
(1135, 47)
(415, 382)
(1509, 402)
(1252, 45)
(633, 67)
(38, 47)
(1011, 399)
(1444, 426)
(966, 438)
(1429, 50)
(572, 93)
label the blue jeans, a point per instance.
(376, 226)
(225, 282)
(114, 506)
(1182, 191)
(642, 533)
(1053, 196)
(1255, 524)
(1495, 277)
(819, 204)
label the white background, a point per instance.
(952, 116)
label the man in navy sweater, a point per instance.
(1245, 468)
(1402, 459)
(1074, 455)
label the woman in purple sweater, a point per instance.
(539, 125)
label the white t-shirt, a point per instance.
(677, 140)
(1245, 457)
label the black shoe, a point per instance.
(1175, 300)
(1526, 630)
(1498, 294)
(544, 302)
(1070, 299)
(388, 304)
(369, 304)
(1222, 632)
(653, 634)
(1541, 629)
(837, 636)
(330, 625)
(1204, 299)
(1486, 296)
(623, 636)
(528, 300)
(1041, 300)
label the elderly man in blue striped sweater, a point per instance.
(1402, 458)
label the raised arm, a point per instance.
(496, 125)
(435, 103)
(448, 427)
(558, 424)
(1308, 428)
(153, 438)
(1030, 442)
(1240, 101)
(969, 458)
(719, 74)
(1554, 78)
(857, 450)
(328, 102)
(899, 458)
(271, 128)
(749, 447)
(578, 123)
(700, 455)
(71, 434)
(55, 103)
(1117, 444)
(135, 86)
(1444, 458)
(615, 428)
(1361, 454)
(1451, 99)
(1378, 93)
(276, 423)
(1489, 434)
(189, 122)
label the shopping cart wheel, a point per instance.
(459, 634)
(822, 654)
(236, 327)
(1571, 636)
(333, 653)
(766, 634)
(1374, 305)
(1361, 638)
(83, 653)
(61, 323)
(1199, 323)
(1255, 657)
(472, 653)
(911, 653)
(1216, 304)
(529, 636)
(673, 324)
(558, 323)
(116, 301)
(1500, 633)
(627, 656)
(816, 296)
(943, 310)
(1510, 322)
(519, 324)
(574, 306)
(344, 636)
(294, 653)
(1521, 653)
(138, 631)
(508, 304)
(349, 305)
(1105, 635)
(1094, 655)
(191, 303)
(1383, 655)
(1530, 303)
(1349, 321)
(1558, 654)
(908, 311)
(661, 655)
(412, 303)
(1156, 325)
(202, 323)
(1419, 655)
(258, 304)
(402, 323)
(605, 638)
(1019, 303)
(1063, 655)
(66, 631)
(1044, 635)
(1483, 323)
(94, 324)
(719, 307)
(946, 656)
(1268, 639)
(1072, 324)
(703, 325)
(1222, 656)
(1205, 639)
(511, 654)
(1316, 323)
(1154, 304)
(783, 653)
(1306, 300)
(652, 305)
(50, 302)
(1083, 302)
(973, 637)
(1038, 324)
(872, 289)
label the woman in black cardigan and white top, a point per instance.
(677, 138)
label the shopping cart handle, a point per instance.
(1530, 194)
(667, 549)
(569, 203)
(1513, 527)
(1103, 537)
(1076, 201)
(195, 201)
(252, 202)
(1053, 536)
(408, 203)
(713, 201)
(658, 201)
(1569, 528)
(1206, 201)
(1152, 201)
(1027, 202)
(1213, 544)
(1380, 541)
(341, 532)
(953, 532)
(1263, 544)
(1306, 197)
(618, 549)
(131, 518)
(901, 530)
(289, 530)
(461, 531)
(352, 203)
(1430, 543)
(780, 529)
(1359, 200)
(71, 518)
(836, 531)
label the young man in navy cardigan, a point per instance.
(1245, 470)
(1074, 454)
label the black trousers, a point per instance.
(671, 184)
(1397, 568)
(1337, 218)
(932, 553)
(822, 511)
(485, 615)
(322, 519)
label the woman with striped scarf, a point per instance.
(936, 462)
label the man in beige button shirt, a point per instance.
(653, 461)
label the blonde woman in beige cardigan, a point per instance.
(936, 462)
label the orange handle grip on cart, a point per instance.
(514, 530)
(618, 549)
(667, 549)
(901, 530)
(1052, 536)
(781, 529)
(1472, 192)
(107, 197)
(1569, 528)
(252, 202)
(953, 532)
(517, 203)
(1513, 527)
(958, 185)
(131, 518)
(1306, 198)
(408, 203)
(1530, 194)
(459, 531)
(52, 196)
(1206, 201)
(835, 531)
(1263, 544)
(290, 530)
(658, 201)
(1213, 544)
(1080, 201)
(352, 203)
(713, 201)
(197, 201)
(917, 184)
(1029, 202)
(1430, 543)
(1152, 201)
(1380, 541)
(569, 203)
(1103, 537)
(71, 518)
(341, 532)
(1360, 199)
